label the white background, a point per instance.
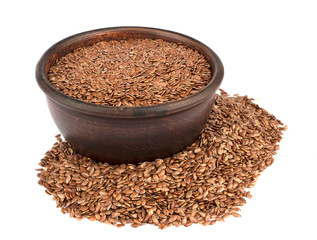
(269, 51)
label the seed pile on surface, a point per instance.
(205, 183)
(135, 72)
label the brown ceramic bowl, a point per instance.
(128, 134)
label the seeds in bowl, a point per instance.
(205, 183)
(134, 72)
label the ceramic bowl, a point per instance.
(128, 134)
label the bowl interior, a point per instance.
(71, 43)
(91, 37)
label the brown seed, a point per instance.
(163, 226)
(68, 178)
(197, 150)
(134, 72)
(192, 219)
(84, 174)
(155, 220)
(213, 222)
(60, 195)
(225, 216)
(80, 201)
(189, 194)
(135, 225)
(173, 218)
(150, 212)
(182, 189)
(236, 214)
(187, 179)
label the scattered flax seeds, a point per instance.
(205, 183)
(135, 72)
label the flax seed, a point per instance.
(192, 186)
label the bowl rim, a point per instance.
(129, 111)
